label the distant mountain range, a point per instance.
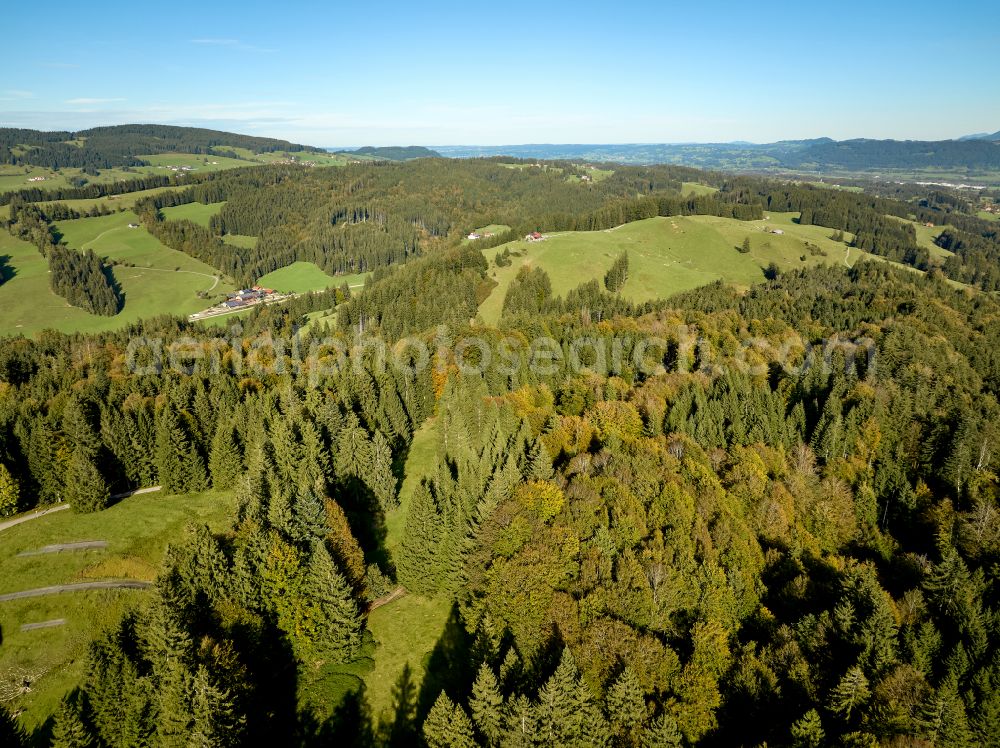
(822, 155)
(982, 136)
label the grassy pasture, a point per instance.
(113, 202)
(299, 277)
(696, 188)
(302, 277)
(160, 163)
(195, 212)
(668, 255)
(162, 281)
(138, 530)
(240, 240)
(16, 177)
(665, 256)
(989, 216)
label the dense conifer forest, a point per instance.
(765, 516)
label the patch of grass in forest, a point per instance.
(198, 213)
(300, 277)
(696, 188)
(240, 240)
(406, 629)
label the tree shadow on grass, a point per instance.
(7, 271)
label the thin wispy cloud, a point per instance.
(230, 44)
(86, 101)
(13, 94)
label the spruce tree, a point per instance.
(215, 721)
(626, 709)
(663, 733)
(335, 612)
(447, 725)
(380, 478)
(85, 489)
(807, 732)
(567, 712)
(486, 704)
(69, 730)
(178, 463)
(419, 565)
(851, 693)
(943, 719)
(78, 426)
(225, 462)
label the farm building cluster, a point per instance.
(248, 297)
(477, 235)
(534, 236)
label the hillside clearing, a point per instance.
(199, 213)
(137, 530)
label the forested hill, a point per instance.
(124, 145)
(900, 154)
(395, 153)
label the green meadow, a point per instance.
(669, 255)
(195, 212)
(240, 240)
(695, 188)
(138, 530)
(154, 278)
(303, 277)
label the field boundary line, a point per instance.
(56, 589)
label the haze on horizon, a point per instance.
(447, 73)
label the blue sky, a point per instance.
(337, 74)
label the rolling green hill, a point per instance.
(667, 255)
(155, 279)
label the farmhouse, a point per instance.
(779, 232)
(133, 225)
(473, 236)
(534, 236)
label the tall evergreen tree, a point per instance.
(178, 463)
(567, 712)
(420, 564)
(69, 730)
(225, 462)
(486, 704)
(85, 489)
(335, 616)
(626, 709)
(215, 721)
(447, 725)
